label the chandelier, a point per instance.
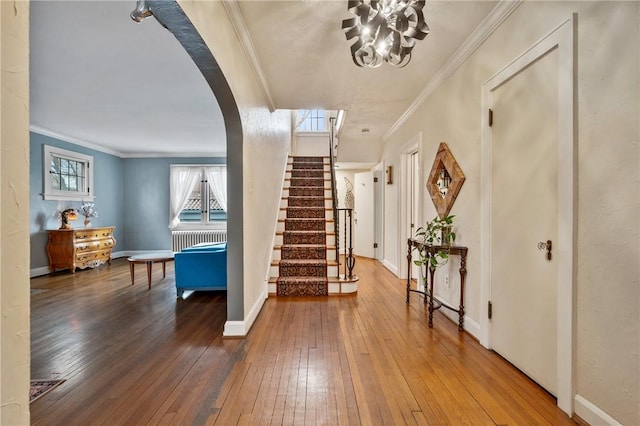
(385, 31)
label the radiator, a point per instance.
(182, 239)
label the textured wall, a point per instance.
(608, 331)
(266, 141)
(312, 145)
(14, 213)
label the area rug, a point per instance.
(42, 387)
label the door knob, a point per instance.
(542, 246)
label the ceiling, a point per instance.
(101, 79)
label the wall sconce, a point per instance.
(389, 173)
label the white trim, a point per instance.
(234, 329)
(591, 414)
(232, 7)
(412, 145)
(488, 25)
(48, 193)
(70, 139)
(391, 267)
(44, 270)
(37, 272)
(66, 138)
(470, 325)
(241, 328)
(173, 155)
(308, 134)
(275, 224)
(561, 38)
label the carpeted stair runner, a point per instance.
(303, 263)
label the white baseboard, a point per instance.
(470, 326)
(390, 267)
(591, 413)
(44, 270)
(241, 328)
(36, 272)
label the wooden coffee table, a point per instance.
(149, 259)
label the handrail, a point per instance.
(349, 259)
(334, 191)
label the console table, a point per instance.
(429, 295)
(80, 248)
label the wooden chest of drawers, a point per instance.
(80, 248)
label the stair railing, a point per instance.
(334, 190)
(350, 260)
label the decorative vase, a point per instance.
(87, 222)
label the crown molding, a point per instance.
(232, 7)
(489, 24)
(66, 138)
(70, 139)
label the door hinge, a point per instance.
(490, 117)
(375, 245)
(490, 310)
(375, 180)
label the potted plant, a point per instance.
(436, 232)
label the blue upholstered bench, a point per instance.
(201, 267)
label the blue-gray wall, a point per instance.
(131, 194)
(146, 200)
(108, 192)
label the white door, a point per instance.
(524, 213)
(363, 214)
(414, 209)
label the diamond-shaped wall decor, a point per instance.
(445, 180)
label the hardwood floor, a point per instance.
(138, 357)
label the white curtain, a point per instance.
(182, 181)
(217, 178)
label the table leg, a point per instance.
(149, 274)
(164, 269)
(131, 270)
(431, 271)
(463, 274)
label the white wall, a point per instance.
(608, 297)
(15, 332)
(341, 185)
(309, 144)
(266, 140)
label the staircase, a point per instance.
(304, 261)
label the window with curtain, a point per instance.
(198, 196)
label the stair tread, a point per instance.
(331, 279)
(327, 233)
(326, 246)
(316, 219)
(302, 261)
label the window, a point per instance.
(312, 120)
(67, 175)
(198, 195)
